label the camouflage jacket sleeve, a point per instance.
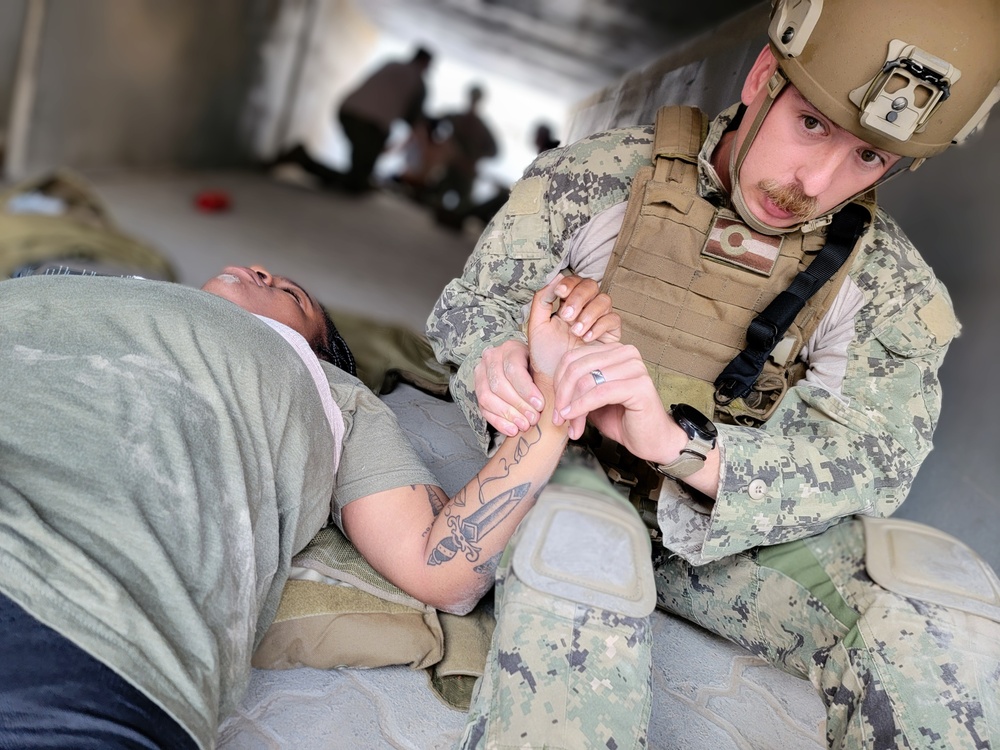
(822, 456)
(524, 246)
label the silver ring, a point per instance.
(598, 377)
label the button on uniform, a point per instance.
(757, 489)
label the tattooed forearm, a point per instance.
(436, 498)
(524, 442)
(468, 530)
(467, 533)
(488, 569)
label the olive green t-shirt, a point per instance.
(163, 454)
(377, 455)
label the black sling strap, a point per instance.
(768, 328)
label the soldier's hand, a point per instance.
(508, 398)
(620, 400)
(586, 310)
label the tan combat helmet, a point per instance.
(908, 76)
(912, 77)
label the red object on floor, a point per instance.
(212, 201)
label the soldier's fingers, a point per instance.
(593, 367)
(526, 397)
(499, 400)
(502, 415)
(576, 294)
(584, 359)
(613, 393)
(591, 312)
(607, 329)
(577, 426)
(500, 424)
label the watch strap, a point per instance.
(701, 435)
(690, 460)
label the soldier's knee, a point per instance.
(585, 547)
(924, 564)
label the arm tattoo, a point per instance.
(436, 498)
(488, 569)
(465, 533)
(468, 532)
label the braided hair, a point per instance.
(334, 349)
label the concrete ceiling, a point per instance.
(569, 46)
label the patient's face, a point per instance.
(257, 291)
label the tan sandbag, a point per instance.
(338, 611)
(327, 626)
(467, 645)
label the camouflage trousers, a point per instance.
(892, 672)
(561, 674)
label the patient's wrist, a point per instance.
(544, 383)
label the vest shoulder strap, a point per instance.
(680, 131)
(679, 134)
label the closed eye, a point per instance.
(296, 295)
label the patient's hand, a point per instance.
(550, 337)
(507, 390)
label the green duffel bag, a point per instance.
(59, 220)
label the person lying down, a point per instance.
(164, 451)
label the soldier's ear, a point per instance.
(759, 74)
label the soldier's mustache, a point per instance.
(789, 198)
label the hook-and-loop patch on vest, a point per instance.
(731, 241)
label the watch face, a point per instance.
(690, 419)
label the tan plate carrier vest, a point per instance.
(687, 279)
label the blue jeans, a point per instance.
(55, 695)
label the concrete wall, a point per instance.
(141, 84)
(706, 72)
(947, 208)
(309, 61)
(11, 22)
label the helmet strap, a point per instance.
(775, 84)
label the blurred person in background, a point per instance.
(396, 91)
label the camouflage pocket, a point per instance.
(526, 226)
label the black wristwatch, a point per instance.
(701, 434)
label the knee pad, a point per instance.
(586, 547)
(920, 562)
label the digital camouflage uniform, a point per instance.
(779, 564)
